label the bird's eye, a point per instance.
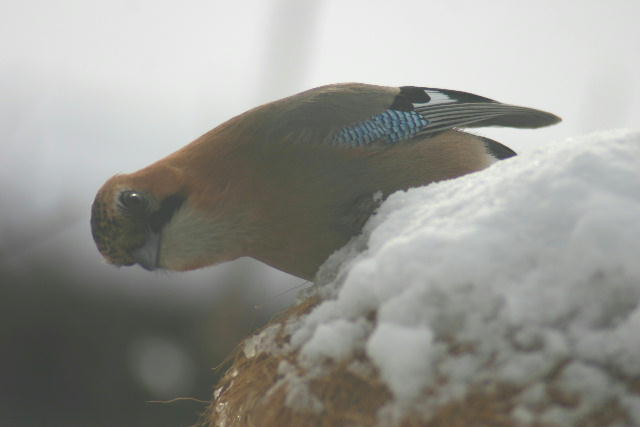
(133, 201)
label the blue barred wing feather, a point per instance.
(422, 111)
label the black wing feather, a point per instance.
(446, 109)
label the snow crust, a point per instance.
(526, 274)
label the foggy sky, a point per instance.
(92, 88)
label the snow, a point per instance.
(402, 371)
(333, 340)
(500, 277)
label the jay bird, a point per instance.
(291, 181)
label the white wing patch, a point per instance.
(437, 97)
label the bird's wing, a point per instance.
(353, 115)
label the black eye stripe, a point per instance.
(168, 207)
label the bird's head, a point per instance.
(128, 217)
(156, 219)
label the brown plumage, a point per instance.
(291, 181)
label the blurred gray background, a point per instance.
(93, 88)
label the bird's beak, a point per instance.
(148, 255)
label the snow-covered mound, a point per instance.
(524, 277)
